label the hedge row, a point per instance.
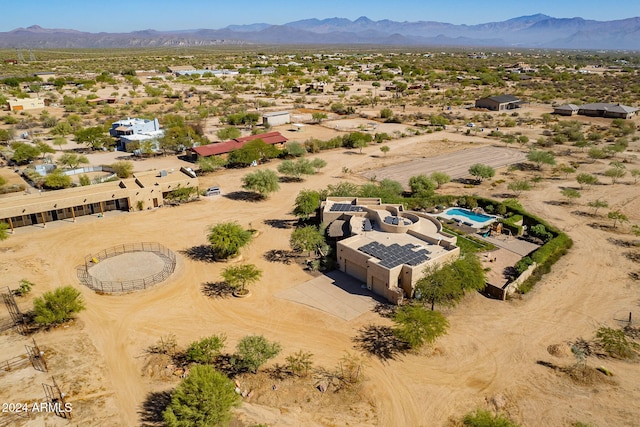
(546, 255)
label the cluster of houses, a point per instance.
(598, 109)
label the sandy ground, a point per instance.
(489, 354)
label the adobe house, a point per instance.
(499, 103)
(383, 246)
(20, 104)
(144, 190)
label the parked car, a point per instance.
(471, 125)
(213, 191)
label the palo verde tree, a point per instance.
(239, 276)
(617, 216)
(446, 285)
(597, 204)
(296, 169)
(57, 306)
(263, 182)
(204, 398)
(307, 202)
(308, 238)
(481, 172)
(422, 185)
(519, 186)
(440, 178)
(540, 158)
(417, 326)
(227, 238)
(586, 179)
(253, 351)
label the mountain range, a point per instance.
(535, 31)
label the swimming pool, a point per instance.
(467, 217)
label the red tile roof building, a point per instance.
(226, 147)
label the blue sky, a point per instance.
(123, 16)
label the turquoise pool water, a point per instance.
(477, 217)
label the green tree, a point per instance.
(57, 306)
(24, 153)
(253, 351)
(204, 398)
(386, 113)
(57, 179)
(93, 137)
(72, 160)
(342, 189)
(227, 238)
(418, 326)
(635, 173)
(263, 182)
(44, 148)
(481, 172)
(229, 132)
(446, 285)
(615, 174)
(519, 186)
(307, 238)
(62, 129)
(211, 163)
(318, 163)
(597, 204)
(571, 194)
(206, 350)
(440, 178)
(296, 149)
(541, 158)
(241, 275)
(422, 185)
(307, 202)
(300, 363)
(296, 169)
(59, 141)
(586, 179)
(318, 117)
(385, 149)
(617, 216)
(4, 231)
(253, 151)
(122, 168)
(566, 170)
(84, 180)
(5, 135)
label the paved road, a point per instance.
(456, 164)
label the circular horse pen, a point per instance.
(127, 268)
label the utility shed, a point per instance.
(276, 118)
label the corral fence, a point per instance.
(113, 287)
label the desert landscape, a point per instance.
(507, 357)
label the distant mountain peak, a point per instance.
(538, 30)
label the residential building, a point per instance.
(20, 104)
(132, 132)
(224, 148)
(144, 190)
(612, 111)
(499, 103)
(276, 118)
(383, 246)
(566, 110)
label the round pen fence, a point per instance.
(167, 257)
